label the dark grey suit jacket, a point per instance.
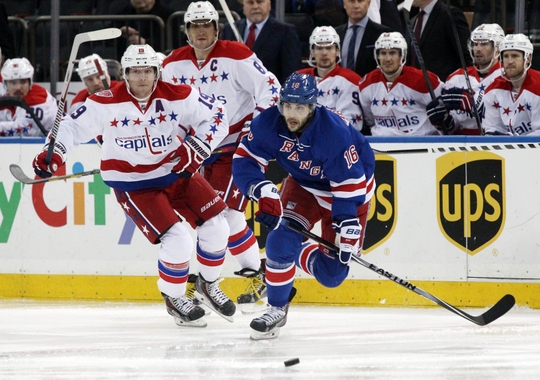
(277, 46)
(365, 62)
(438, 44)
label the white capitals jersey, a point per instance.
(400, 110)
(137, 144)
(513, 114)
(231, 74)
(339, 90)
(15, 121)
(467, 122)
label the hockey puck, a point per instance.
(291, 362)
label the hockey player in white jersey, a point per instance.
(456, 103)
(155, 137)
(512, 101)
(338, 86)
(394, 96)
(232, 73)
(18, 79)
(89, 73)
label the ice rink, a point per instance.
(91, 340)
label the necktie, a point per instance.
(251, 36)
(417, 35)
(350, 51)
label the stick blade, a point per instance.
(19, 175)
(98, 35)
(498, 310)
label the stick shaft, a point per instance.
(230, 19)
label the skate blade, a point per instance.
(196, 323)
(208, 304)
(256, 307)
(257, 335)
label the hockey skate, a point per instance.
(211, 295)
(268, 325)
(190, 293)
(253, 300)
(183, 310)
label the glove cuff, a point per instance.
(256, 191)
(197, 145)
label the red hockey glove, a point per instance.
(270, 209)
(42, 169)
(349, 231)
(457, 99)
(439, 116)
(190, 156)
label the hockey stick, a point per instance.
(19, 175)
(230, 19)
(96, 35)
(101, 74)
(13, 101)
(495, 312)
(464, 67)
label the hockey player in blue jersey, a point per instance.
(330, 167)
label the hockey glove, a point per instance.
(42, 169)
(190, 156)
(439, 116)
(270, 209)
(349, 237)
(457, 99)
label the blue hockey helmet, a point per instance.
(298, 88)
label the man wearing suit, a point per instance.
(363, 32)
(437, 42)
(275, 43)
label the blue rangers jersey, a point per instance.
(330, 159)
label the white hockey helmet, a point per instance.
(87, 66)
(161, 57)
(139, 56)
(392, 40)
(17, 68)
(200, 11)
(488, 32)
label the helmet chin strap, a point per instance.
(488, 67)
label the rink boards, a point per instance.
(460, 221)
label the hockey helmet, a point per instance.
(139, 56)
(323, 35)
(199, 11)
(17, 68)
(87, 66)
(298, 88)
(393, 40)
(488, 32)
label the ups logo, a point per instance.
(383, 208)
(470, 198)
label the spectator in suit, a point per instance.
(274, 42)
(437, 42)
(363, 32)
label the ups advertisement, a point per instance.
(470, 191)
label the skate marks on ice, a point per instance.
(63, 340)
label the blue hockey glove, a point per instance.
(439, 116)
(349, 231)
(457, 99)
(270, 209)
